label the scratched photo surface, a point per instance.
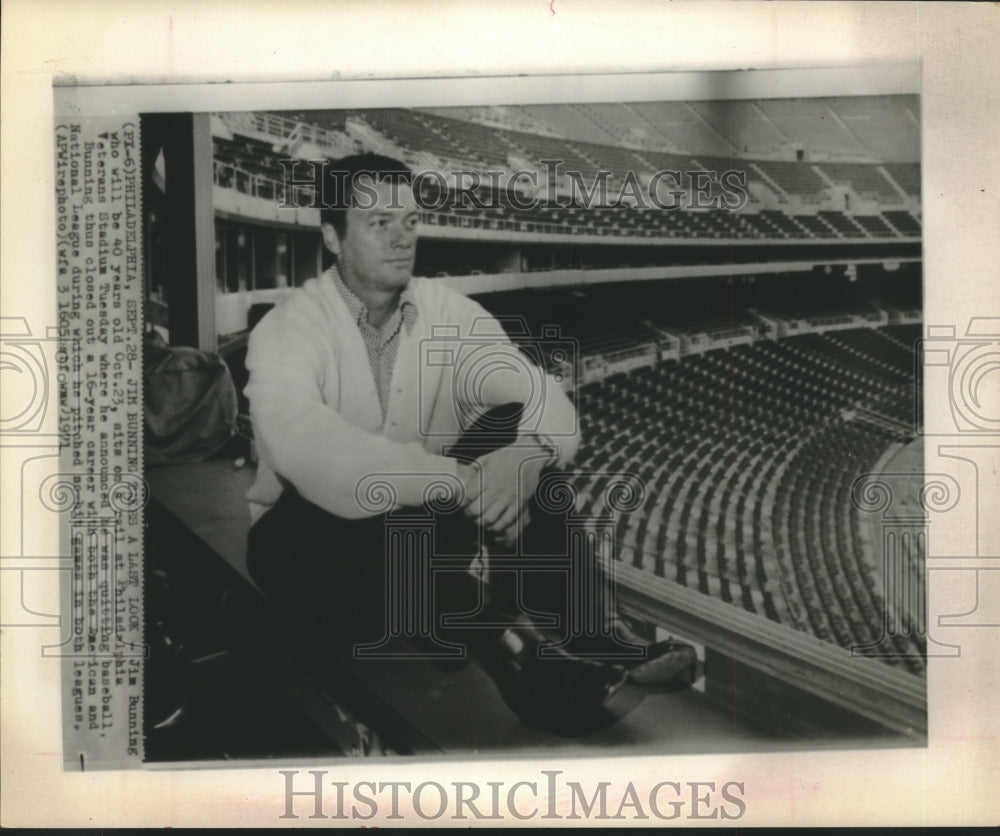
(728, 291)
(717, 297)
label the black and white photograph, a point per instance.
(549, 413)
(600, 473)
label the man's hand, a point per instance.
(497, 496)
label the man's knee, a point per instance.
(494, 429)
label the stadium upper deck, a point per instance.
(781, 199)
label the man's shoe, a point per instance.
(556, 692)
(648, 663)
(667, 662)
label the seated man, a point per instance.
(374, 396)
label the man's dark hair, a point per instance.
(343, 174)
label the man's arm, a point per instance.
(305, 441)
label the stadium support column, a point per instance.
(189, 223)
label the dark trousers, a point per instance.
(357, 580)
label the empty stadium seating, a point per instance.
(903, 221)
(249, 164)
(795, 178)
(747, 457)
(907, 175)
(885, 125)
(837, 128)
(810, 124)
(844, 225)
(678, 127)
(874, 225)
(742, 124)
(866, 179)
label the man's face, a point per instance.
(380, 239)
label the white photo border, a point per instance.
(950, 782)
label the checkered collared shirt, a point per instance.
(382, 343)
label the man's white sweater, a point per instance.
(315, 410)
